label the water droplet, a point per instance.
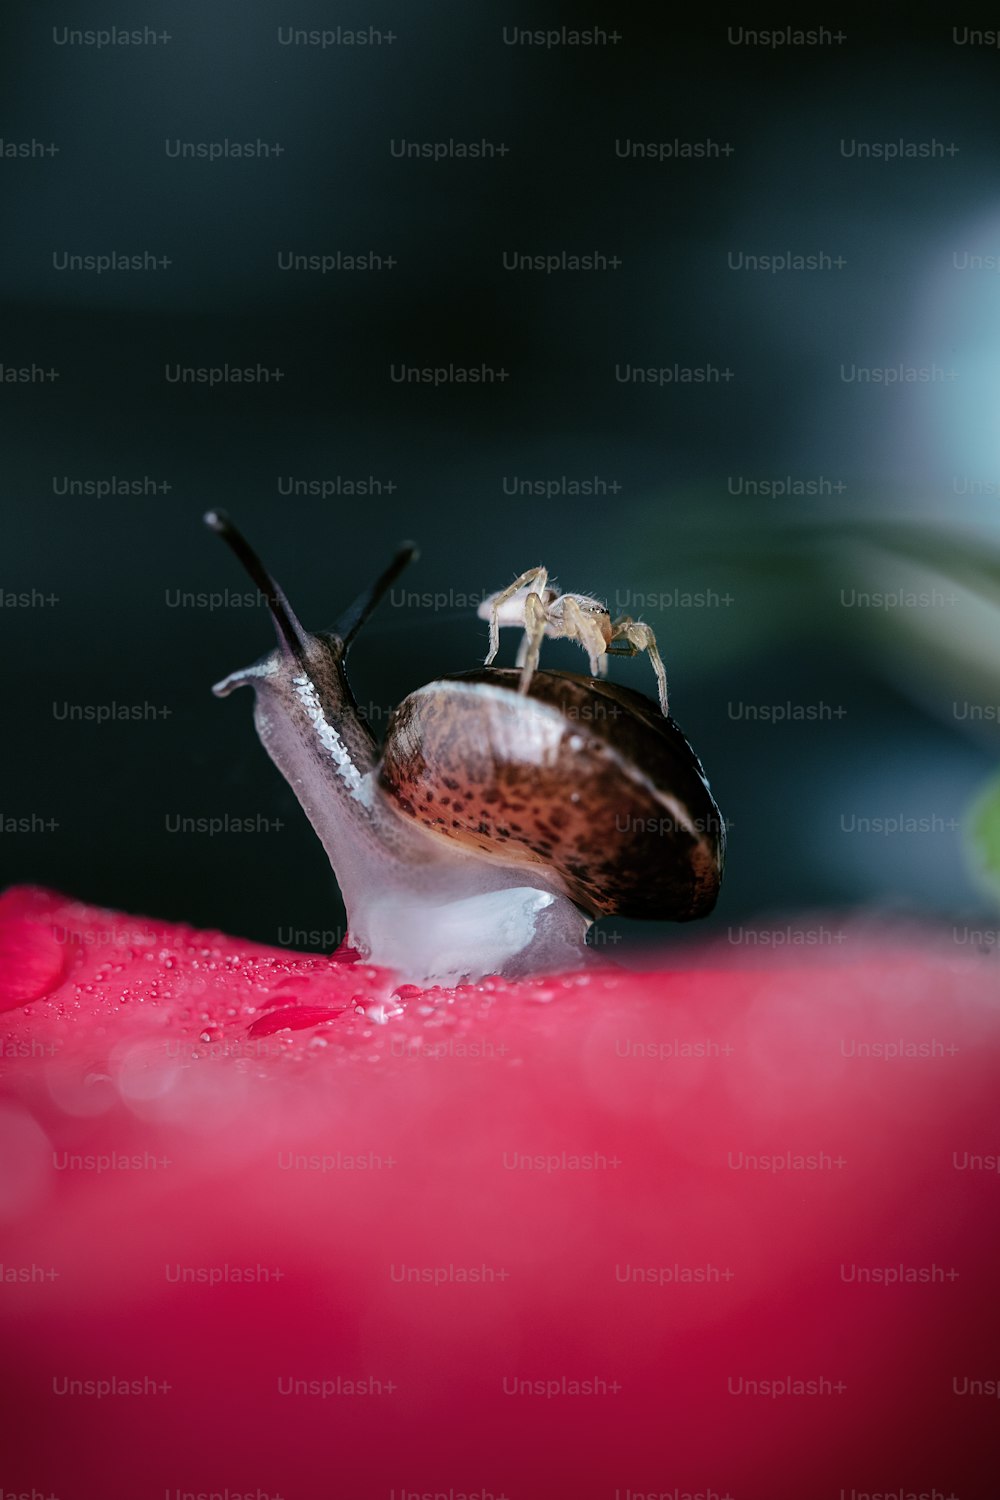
(381, 1011)
(542, 994)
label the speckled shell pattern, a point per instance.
(581, 776)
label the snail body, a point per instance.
(492, 827)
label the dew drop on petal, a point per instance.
(31, 962)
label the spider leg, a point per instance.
(536, 579)
(586, 631)
(641, 638)
(536, 617)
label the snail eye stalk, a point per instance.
(357, 613)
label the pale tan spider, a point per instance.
(541, 609)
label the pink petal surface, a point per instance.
(556, 1226)
(32, 960)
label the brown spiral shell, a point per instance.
(581, 776)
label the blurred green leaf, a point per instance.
(984, 835)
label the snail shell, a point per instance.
(581, 777)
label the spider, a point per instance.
(542, 609)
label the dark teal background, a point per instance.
(904, 456)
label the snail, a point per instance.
(492, 826)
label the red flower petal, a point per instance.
(292, 1018)
(31, 960)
